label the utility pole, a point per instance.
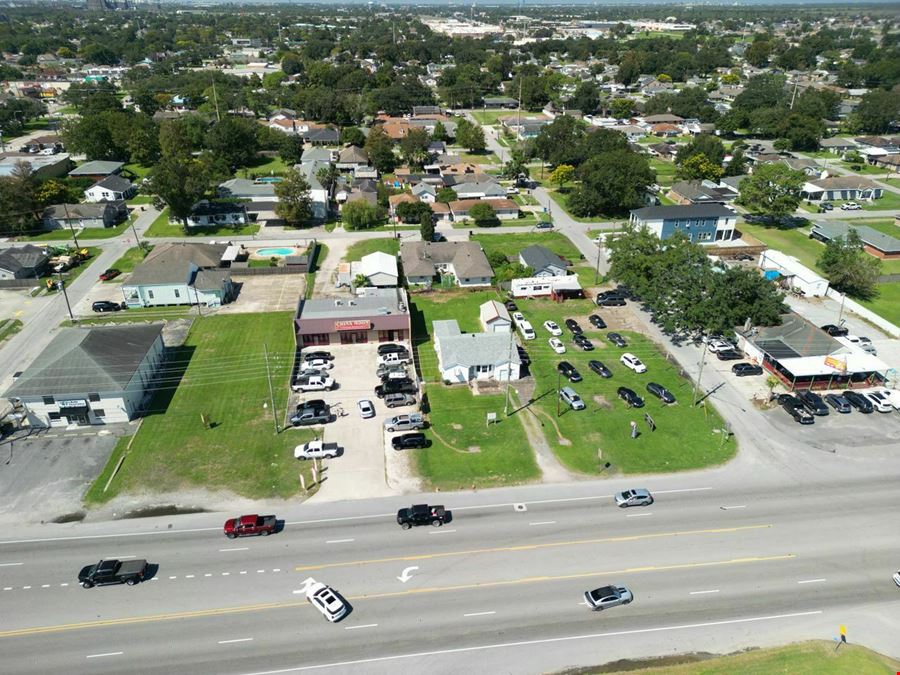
(794, 95)
(62, 286)
(597, 272)
(216, 99)
(69, 221)
(700, 372)
(271, 392)
(508, 372)
(519, 110)
(558, 375)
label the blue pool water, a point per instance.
(266, 252)
(266, 179)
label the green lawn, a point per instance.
(140, 199)
(220, 372)
(161, 227)
(665, 171)
(86, 233)
(129, 261)
(887, 304)
(138, 170)
(804, 658)
(686, 437)
(890, 201)
(892, 181)
(8, 328)
(264, 166)
(525, 200)
(561, 199)
(457, 418)
(510, 244)
(864, 169)
(363, 247)
(480, 158)
(489, 117)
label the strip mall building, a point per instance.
(378, 315)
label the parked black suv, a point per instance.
(617, 339)
(729, 355)
(630, 397)
(599, 368)
(742, 369)
(583, 342)
(311, 356)
(409, 441)
(106, 306)
(610, 301)
(568, 371)
(813, 402)
(596, 321)
(573, 326)
(391, 347)
(403, 386)
(858, 401)
(661, 392)
(511, 305)
(835, 331)
(793, 406)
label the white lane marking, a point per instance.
(260, 571)
(441, 531)
(223, 550)
(7, 588)
(703, 592)
(173, 577)
(527, 643)
(339, 541)
(226, 574)
(728, 508)
(207, 575)
(65, 584)
(10, 564)
(155, 579)
(637, 515)
(243, 572)
(324, 520)
(810, 581)
(230, 642)
(188, 576)
(479, 614)
(97, 656)
(117, 557)
(45, 585)
(277, 569)
(544, 522)
(25, 588)
(366, 625)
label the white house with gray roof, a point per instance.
(463, 357)
(464, 260)
(99, 375)
(543, 261)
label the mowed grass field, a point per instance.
(465, 451)
(686, 436)
(805, 658)
(358, 249)
(220, 372)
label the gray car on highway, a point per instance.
(607, 596)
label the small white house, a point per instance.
(211, 214)
(180, 273)
(535, 287)
(99, 375)
(463, 357)
(494, 317)
(797, 275)
(110, 189)
(544, 262)
(379, 269)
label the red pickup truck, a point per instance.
(247, 525)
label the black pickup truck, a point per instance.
(108, 572)
(422, 514)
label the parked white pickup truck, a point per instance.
(313, 383)
(317, 450)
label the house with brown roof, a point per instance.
(505, 209)
(465, 261)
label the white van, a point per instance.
(526, 330)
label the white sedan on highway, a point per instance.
(553, 328)
(629, 360)
(557, 346)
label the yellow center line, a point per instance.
(530, 547)
(200, 613)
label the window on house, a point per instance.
(99, 412)
(150, 294)
(704, 236)
(93, 397)
(48, 400)
(177, 293)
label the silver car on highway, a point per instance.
(607, 596)
(636, 497)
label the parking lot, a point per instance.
(267, 293)
(361, 471)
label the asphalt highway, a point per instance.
(713, 566)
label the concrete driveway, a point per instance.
(44, 476)
(360, 472)
(274, 293)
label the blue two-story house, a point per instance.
(701, 223)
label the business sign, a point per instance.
(837, 363)
(358, 324)
(75, 403)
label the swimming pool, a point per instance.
(272, 179)
(268, 252)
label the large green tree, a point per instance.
(360, 215)
(294, 200)
(414, 147)
(235, 140)
(772, 190)
(180, 181)
(380, 149)
(849, 268)
(877, 110)
(611, 184)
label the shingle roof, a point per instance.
(689, 211)
(14, 259)
(794, 337)
(491, 310)
(468, 259)
(97, 168)
(539, 258)
(242, 187)
(171, 264)
(72, 211)
(844, 183)
(476, 349)
(80, 360)
(832, 229)
(114, 183)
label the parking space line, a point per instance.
(703, 592)
(339, 541)
(544, 522)
(637, 515)
(479, 613)
(229, 642)
(442, 531)
(97, 656)
(223, 550)
(811, 581)
(367, 625)
(10, 564)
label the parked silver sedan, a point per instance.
(636, 497)
(366, 409)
